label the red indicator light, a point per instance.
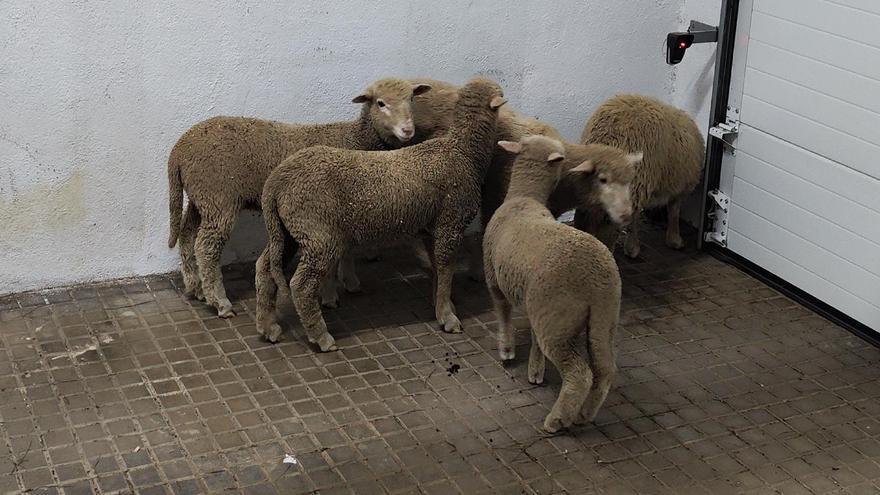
(683, 44)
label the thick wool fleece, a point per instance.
(330, 200)
(566, 281)
(673, 150)
(223, 162)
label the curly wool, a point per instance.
(566, 281)
(330, 200)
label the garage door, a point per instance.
(803, 176)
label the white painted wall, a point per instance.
(93, 95)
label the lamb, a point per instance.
(566, 280)
(612, 165)
(330, 200)
(223, 162)
(674, 151)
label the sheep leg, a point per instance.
(600, 343)
(189, 269)
(267, 321)
(632, 247)
(348, 275)
(673, 236)
(329, 290)
(305, 288)
(422, 252)
(577, 379)
(537, 363)
(475, 258)
(428, 253)
(596, 222)
(445, 246)
(212, 236)
(506, 332)
(444, 309)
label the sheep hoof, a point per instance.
(553, 424)
(507, 353)
(453, 325)
(273, 334)
(325, 342)
(675, 242)
(536, 379)
(224, 309)
(582, 420)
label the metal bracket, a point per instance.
(728, 130)
(703, 33)
(719, 216)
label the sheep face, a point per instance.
(607, 178)
(390, 107)
(539, 161)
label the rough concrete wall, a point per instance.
(93, 94)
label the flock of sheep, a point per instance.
(420, 162)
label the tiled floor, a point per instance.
(725, 387)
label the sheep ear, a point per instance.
(635, 158)
(555, 157)
(497, 102)
(585, 167)
(363, 97)
(510, 146)
(421, 89)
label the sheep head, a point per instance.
(604, 175)
(390, 108)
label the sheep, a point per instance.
(674, 150)
(223, 162)
(511, 126)
(574, 190)
(330, 200)
(565, 279)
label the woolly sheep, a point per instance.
(614, 166)
(673, 148)
(223, 162)
(330, 200)
(565, 279)
(511, 126)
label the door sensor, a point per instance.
(677, 43)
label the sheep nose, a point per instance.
(407, 131)
(625, 218)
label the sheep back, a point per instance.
(672, 144)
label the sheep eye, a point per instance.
(381, 104)
(603, 180)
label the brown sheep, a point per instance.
(615, 166)
(223, 162)
(674, 149)
(330, 200)
(566, 280)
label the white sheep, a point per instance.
(673, 159)
(223, 162)
(566, 281)
(331, 200)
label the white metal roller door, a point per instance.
(804, 179)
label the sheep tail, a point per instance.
(275, 245)
(175, 201)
